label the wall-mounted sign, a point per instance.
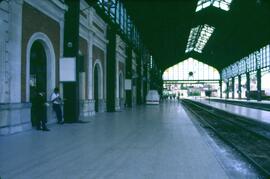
(67, 69)
(33, 80)
(127, 84)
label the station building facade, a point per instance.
(248, 78)
(31, 46)
(190, 78)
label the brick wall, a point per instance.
(35, 21)
(98, 54)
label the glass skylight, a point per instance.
(198, 38)
(222, 4)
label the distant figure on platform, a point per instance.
(57, 101)
(178, 97)
(40, 106)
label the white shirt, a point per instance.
(55, 98)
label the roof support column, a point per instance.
(233, 90)
(239, 87)
(145, 82)
(111, 68)
(139, 80)
(129, 75)
(71, 47)
(248, 86)
(227, 89)
(259, 85)
(220, 88)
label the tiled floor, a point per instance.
(149, 142)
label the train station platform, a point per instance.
(251, 101)
(248, 112)
(145, 142)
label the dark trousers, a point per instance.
(58, 111)
(41, 119)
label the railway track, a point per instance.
(250, 138)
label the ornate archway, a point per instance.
(98, 84)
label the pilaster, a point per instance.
(239, 87)
(248, 86)
(14, 50)
(233, 87)
(259, 85)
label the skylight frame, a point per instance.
(199, 37)
(221, 4)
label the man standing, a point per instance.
(56, 100)
(40, 106)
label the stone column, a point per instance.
(89, 73)
(14, 50)
(4, 68)
(14, 115)
(90, 66)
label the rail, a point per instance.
(250, 139)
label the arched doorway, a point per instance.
(96, 87)
(38, 76)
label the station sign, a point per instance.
(68, 69)
(128, 85)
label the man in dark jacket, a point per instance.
(40, 106)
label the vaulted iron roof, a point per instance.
(165, 27)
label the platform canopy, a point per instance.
(217, 32)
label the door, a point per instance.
(96, 88)
(38, 78)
